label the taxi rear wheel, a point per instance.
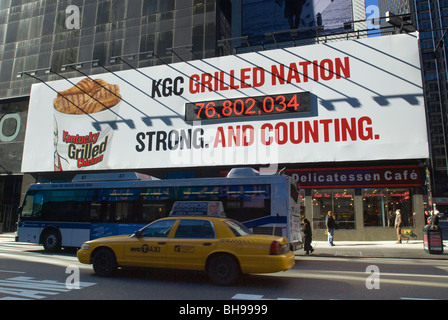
(223, 269)
(104, 262)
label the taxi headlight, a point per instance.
(85, 246)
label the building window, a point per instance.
(339, 201)
(380, 205)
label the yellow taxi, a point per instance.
(222, 247)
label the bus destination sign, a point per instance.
(248, 107)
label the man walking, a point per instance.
(330, 227)
(398, 225)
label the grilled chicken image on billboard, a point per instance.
(88, 96)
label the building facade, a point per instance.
(51, 41)
(49, 33)
(430, 19)
(432, 22)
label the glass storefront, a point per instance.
(380, 205)
(339, 201)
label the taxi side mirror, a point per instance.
(138, 234)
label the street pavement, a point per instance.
(361, 249)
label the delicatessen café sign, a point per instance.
(388, 176)
(331, 102)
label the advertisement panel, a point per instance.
(344, 101)
(266, 16)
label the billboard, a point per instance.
(352, 100)
(266, 16)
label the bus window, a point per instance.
(32, 208)
(153, 211)
(95, 212)
(115, 205)
(241, 202)
(294, 193)
(67, 205)
(248, 202)
(57, 205)
(101, 212)
(256, 196)
(123, 211)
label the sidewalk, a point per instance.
(374, 249)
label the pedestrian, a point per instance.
(398, 224)
(330, 223)
(391, 219)
(308, 235)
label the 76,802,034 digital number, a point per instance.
(248, 106)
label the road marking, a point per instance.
(442, 268)
(244, 296)
(407, 298)
(27, 288)
(9, 271)
(438, 281)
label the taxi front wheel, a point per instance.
(104, 262)
(223, 269)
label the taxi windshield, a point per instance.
(238, 228)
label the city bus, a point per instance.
(105, 204)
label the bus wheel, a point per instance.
(51, 241)
(104, 262)
(223, 269)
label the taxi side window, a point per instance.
(196, 229)
(158, 229)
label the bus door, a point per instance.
(147, 248)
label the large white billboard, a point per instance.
(352, 100)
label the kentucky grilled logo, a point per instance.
(86, 150)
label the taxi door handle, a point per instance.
(207, 244)
(161, 243)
